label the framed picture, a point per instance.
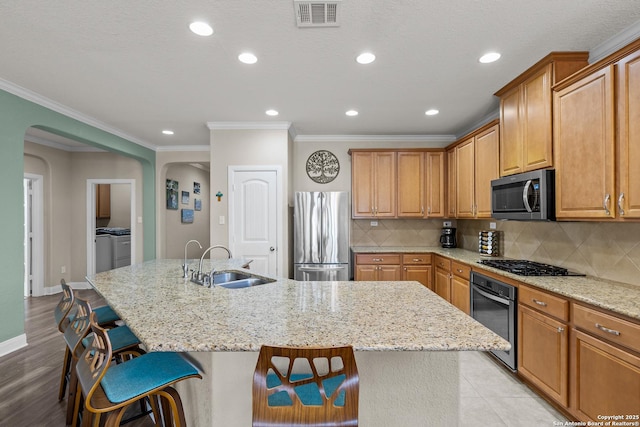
(196, 188)
(197, 204)
(187, 216)
(172, 194)
(185, 197)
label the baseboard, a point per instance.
(53, 290)
(13, 344)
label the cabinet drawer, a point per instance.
(416, 259)
(378, 259)
(460, 270)
(544, 302)
(606, 326)
(443, 263)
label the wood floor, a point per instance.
(30, 377)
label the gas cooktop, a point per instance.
(527, 268)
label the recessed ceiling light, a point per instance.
(248, 58)
(351, 113)
(431, 112)
(366, 58)
(167, 132)
(271, 113)
(201, 28)
(489, 57)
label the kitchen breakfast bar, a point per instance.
(406, 338)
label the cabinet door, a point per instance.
(604, 379)
(442, 285)
(584, 139)
(465, 179)
(434, 185)
(366, 272)
(451, 183)
(486, 169)
(629, 128)
(389, 273)
(419, 273)
(511, 131)
(385, 184)
(103, 201)
(362, 184)
(543, 353)
(536, 120)
(411, 185)
(460, 296)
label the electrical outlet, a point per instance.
(63, 269)
(492, 225)
(374, 223)
(446, 224)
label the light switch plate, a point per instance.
(221, 220)
(492, 225)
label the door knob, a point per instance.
(271, 249)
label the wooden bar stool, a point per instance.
(63, 314)
(125, 345)
(108, 389)
(305, 387)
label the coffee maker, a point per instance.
(448, 237)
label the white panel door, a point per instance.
(253, 219)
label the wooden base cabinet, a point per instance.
(417, 267)
(378, 267)
(605, 380)
(460, 294)
(442, 277)
(543, 344)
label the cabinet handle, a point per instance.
(620, 200)
(405, 269)
(429, 210)
(416, 260)
(607, 330)
(458, 270)
(422, 210)
(605, 204)
(560, 329)
(373, 211)
(541, 303)
(377, 260)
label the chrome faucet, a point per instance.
(185, 266)
(204, 279)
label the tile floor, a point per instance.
(490, 396)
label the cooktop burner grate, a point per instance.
(527, 268)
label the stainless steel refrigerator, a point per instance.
(321, 236)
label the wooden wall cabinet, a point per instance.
(526, 112)
(543, 342)
(378, 267)
(103, 201)
(597, 139)
(451, 183)
(476, 164)
(373, 184)
(418, 267)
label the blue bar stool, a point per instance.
(109, 389)
(125, 345)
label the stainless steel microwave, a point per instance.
(526, 196)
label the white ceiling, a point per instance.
(135, 67)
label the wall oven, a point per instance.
(525, 196)
(494, 304)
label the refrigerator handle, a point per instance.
(321, 268)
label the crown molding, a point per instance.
(444, 139)
(616, 42)
(63, 147)
(249, 125)
(478, 124)
(190, 148)
(36, 98)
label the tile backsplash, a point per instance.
(606, 250)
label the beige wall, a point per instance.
(65, 187)
(242, 148)
(164, 161)
(178, 234)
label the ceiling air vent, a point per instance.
(317, 13)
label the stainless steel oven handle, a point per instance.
(525, 198)
(320, 268)
(495, 298)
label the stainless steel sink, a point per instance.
(236, 280)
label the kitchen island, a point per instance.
(406, 338)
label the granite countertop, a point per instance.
(621, 298)
(169, 313)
